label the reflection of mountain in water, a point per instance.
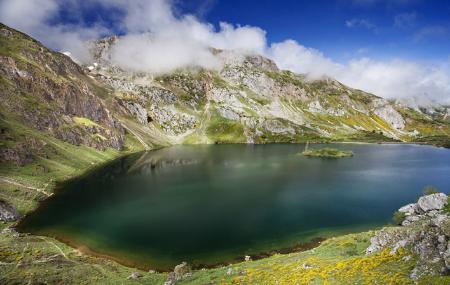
(153, 161)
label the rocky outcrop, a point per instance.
(47, 91)
(425, 234)
(8, 213)
(385, 111)
(180, 271)
(432, 202)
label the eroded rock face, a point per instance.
(385, 111)
(425, 232)
(8, 213)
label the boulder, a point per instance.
(8, 212)
(433, 202)
(410, 209)
(181, 270)
(134, 276)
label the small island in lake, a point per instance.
(327, 152)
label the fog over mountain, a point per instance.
(157, 38)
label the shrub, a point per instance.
(428, 190)
(398, 217)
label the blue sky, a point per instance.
(382, 29)
(410, 29)
(393, 48)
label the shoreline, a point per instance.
(86, 250)
(128, 263)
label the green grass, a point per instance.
(327, 153)
(85, 122)
(437, 140)
(223, 130)
(338, 260)
(369, 137)
(398, 217)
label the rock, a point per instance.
(181, 270)
(171, 279)
(8, 212)
(151, 271)
(410, 209)
(134, 276)
(446, 256)
(438, 220)
(385, 111)
(248, 258)
(409, 220)
(433, 202)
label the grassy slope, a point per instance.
(338, 260)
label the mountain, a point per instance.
(248, 101)
(59, 119)
(251, 101)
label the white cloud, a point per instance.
(390, 79)
(33, 17)
(292, 56)
(156, 40)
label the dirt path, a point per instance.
(10, 181)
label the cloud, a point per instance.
(431, 32)
(292, 56)
(361, 23)
(34, 17)
(396, 78)
(158, 39)
(405, 20)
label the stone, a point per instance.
(409, 220)
(247, 258)
(181, 270)
(410, 209)
(134, 276)
(438, 220)
(433, 202)
(171, 279)
(8, 213)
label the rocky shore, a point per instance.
(424, 233)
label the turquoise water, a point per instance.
(216, 203)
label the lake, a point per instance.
(214, 204)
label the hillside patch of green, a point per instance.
(223, 130)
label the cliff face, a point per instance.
(47, 91)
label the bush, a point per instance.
(428, 190)
(398, 217)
